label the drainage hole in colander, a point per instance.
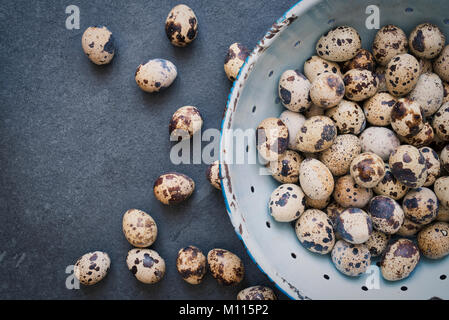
(268, 224)
(252, 189)
(254, 109)
(364, 288)
(247, 148)
(331, 21)
(325, 276)
(404, 288)
(446, 21)
(271, 73)
(443, 277)
(293, 255)
(378, 264)
(297, 43)
(408, 9)
(277, 100)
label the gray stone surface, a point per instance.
(80, 144)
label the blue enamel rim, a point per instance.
(228, 209)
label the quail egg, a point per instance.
(235, 58)
(287, 203)
(317, 204)
(339, 156)
(354, 225)
(424, 137)
(173, 188)
(317, 134)
(349, 194)
(351, 259)
(406, 118)
(348, 117)
(367, 169)
(213, 174)
(294, 91)
(191, 264)
(271, 138)
(339, 44)
(408, 228)
(441, 64)
(225, 267)
(185, 122)
(428, 92)
(315, 66)
(98, 44)
(433, 240)
(425, 66)
(92, 267)
(408, 165)
(426, 41)
(315, 179)
(380, 141)
(445, 92)
(382, 83)
(314, 111)
(444, 157)
(362, 60)
(155, 75)
(314, 231)
(443, 214)
(377, 243)
(378, 109)
(390, 186)
(440, 122)
(432, 165)
(401, 74)
(286, 168)
(146, 265)
(399, 260)
(256, 293)
(327, 90)
(333, 210)
(420, 205)
(386, 214)
(181, 25)
(389, 41)
(441, 188)
(139, 228)
(360, 84)
(294, 121)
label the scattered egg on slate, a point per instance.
(146, 265)
(225, 267)
(98, 44)
(256, 293)
(173, 188)
(155, 75)
(181, 25)
(92, 267)
(191, 264)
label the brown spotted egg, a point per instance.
(315, 179)
(428, 92)
(225, 267)
(441, 64)
(377, 243)
(98, 44)
(181, 25)
(317, 204)
(315, 66)
(390, 186)
(378, 109)
(92, 267)
(441, 188)
(420, 205)
(213, 174)
(433, 240)
(349, 194)
(444, 157)
(314, 111)
(382, 83)
(314, 231)
(235, 58)
(389, 41)
(185, 122)
(406, 118)
(445, 92)
(173, 188)
(399, 260)
(440, 122)
(139, 228)
(155, 75)
(367, 169)
(386, 214)
(339, 156)
(354, 225)
(351, 259)
(339, 44)
(327, 90)
(424, 137)
(333, 210)
(426, 41)
(256, 293)
(287, 203)
(380, 141)
(360, 84)
(146, 265)
(408, 165)
(425, 66)
(271, 138)
(401, 74)
(317, 134)
(362, 60)
(348, 117)
(432, 164)
(286, 168)
(294, 121)
(191, 264)
(408, 228)
(294, 91)
(443, 214)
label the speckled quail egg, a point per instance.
(401, 74)
(382, 83)
(379, 140)
(406, 118)
(386, 214)
(399, 260)
(213, 174)
(351, 259)
(271, 138)
(294, 121)
(354, 225)
(181, 25)
(314, 231)
(432, 164)
(444, 157)
(294, 89)
(317, 204)
(146, 265)
(440, 122)
(445, 92)
(408, 165)
(367, 169)
(389, 41)
(433, 240)
(314, 111)
(191, 264)
(225, 267)
(441, 188)
(348, 117)
(315, 179)
(441, 64)
(333, 210)
(314, 66)
(378, 109)
(349, 194)
(426, 41)
(339, 156)
(256, 293)
(92, 267)
(408, 228)
(235, 58)
(317, 134)
(185, 122)
(360, 84)
(425, 65)
(443, 214)
(98, 44)
(377, 243)
(287, 203)
(362, 60)
(390, 186)
(424, 137)
(339, 44)
(327, 90)
(420, 205)
(173, 188)
(286, 168)
(428, 92)
(155, 75)
(139, 228)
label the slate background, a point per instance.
(80, 144)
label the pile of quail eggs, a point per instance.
(362, 150)
(171, 188)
